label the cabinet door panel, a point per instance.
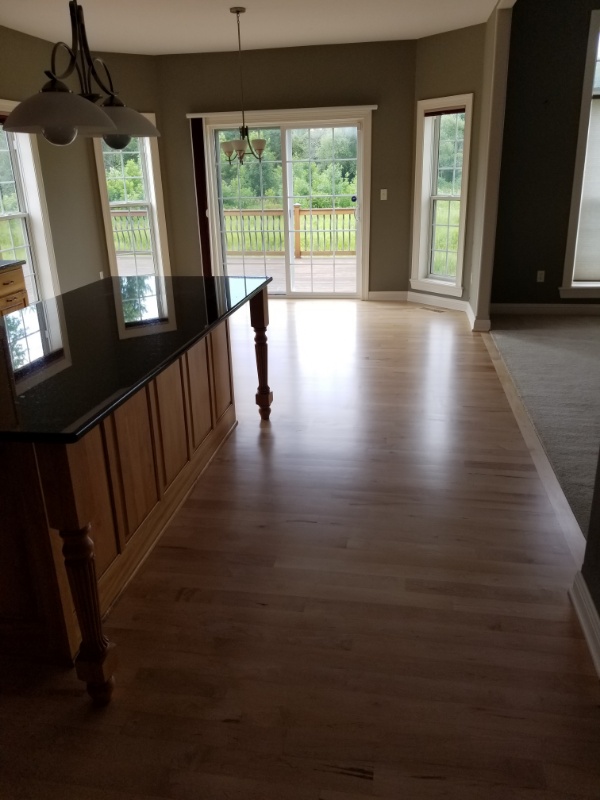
(103, 530)
(199, 389)
(136, 460)
(171, 418)
(221, 369)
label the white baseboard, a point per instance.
(450, 303)
(576, 309)
(481, 325)
(477, 325)
(588, 616)
(471, 316)
(388, 297)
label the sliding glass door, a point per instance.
(294, 216)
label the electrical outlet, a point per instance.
(383, 194)
(541, 276)
(101, 275)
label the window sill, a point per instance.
(581, 290)
(436, 287)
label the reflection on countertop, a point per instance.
(74, 358)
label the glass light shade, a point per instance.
(129, 122)
(259, 146)
(239, 145)
(227, 148)
(56, 114)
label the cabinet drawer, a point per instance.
(12, 301)
(11, 281)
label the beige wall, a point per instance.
(392, 75)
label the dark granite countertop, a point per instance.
(10, 264)
(73, 359)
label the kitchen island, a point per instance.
(113, 400)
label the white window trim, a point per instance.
(571, 288)
(287, 118)
(37, 209)
(419, 278)
(157, 203)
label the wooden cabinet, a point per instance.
(13, 292)
(125, 478)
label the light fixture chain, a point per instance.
(241, 71)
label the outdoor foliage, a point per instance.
(322, 176)
(12, 232)
(450, 153)
(124, 173)
(126, 185)
(324, 165)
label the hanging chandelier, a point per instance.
(60, 115)
(243, 146)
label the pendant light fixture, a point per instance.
(60, 115)
(243, 146)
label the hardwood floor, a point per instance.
(364, 598)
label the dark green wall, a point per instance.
(69, 173)
(388, 74)
(381, 73)
(462, 54)
(591, 564)
(547, 62)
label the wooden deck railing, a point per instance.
(318, 230)
(131, 230)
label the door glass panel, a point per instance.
(251, 210)
(322, 171)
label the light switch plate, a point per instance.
(383, 194)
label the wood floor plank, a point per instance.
(364, 598)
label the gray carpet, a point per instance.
(555, 365)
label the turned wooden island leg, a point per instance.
(66, 479)
(95, 663)
(259, 319)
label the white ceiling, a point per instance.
(193, 26)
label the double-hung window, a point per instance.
(132, 203)
(441, 179)
(15, 237)
(34, 331)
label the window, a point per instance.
(581, 276)
(24, 229)
(441, 179)
(133, 208)
(14, 225)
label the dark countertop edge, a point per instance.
(71, 437)
(11, 264)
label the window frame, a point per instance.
(421, 278)
(38, 221)
(155, 201)
(570, 287)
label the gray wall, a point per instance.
(68, 173)
(547, 61)
(387, 74)
(302, 77)
(448, 64)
